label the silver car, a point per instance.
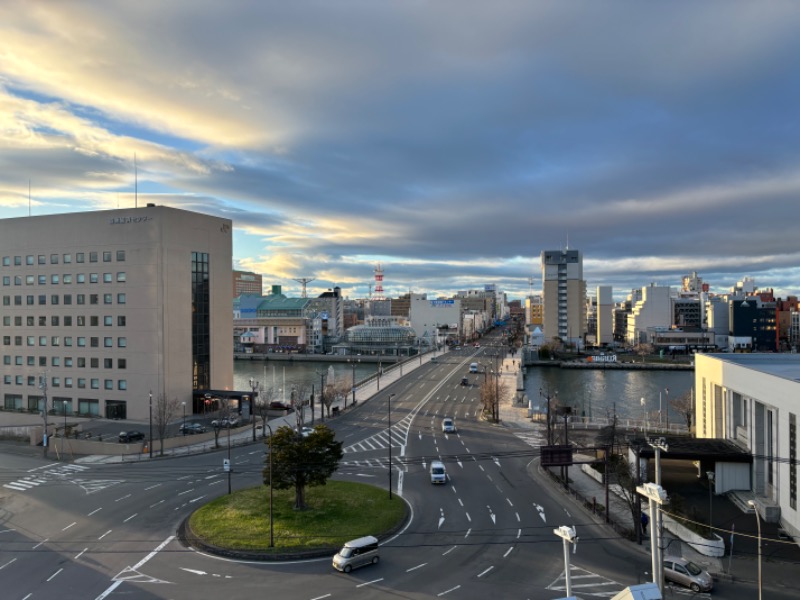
(685, 572)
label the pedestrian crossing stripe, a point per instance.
(132, 575)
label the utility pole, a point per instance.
(43, 387)
(150, 441)
(659, 445)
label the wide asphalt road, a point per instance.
(108, 531)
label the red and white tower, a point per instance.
(378, 283)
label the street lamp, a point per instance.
(547, 396)
(389, 404)
(353, 364)
(254, 386)
(752, 503)
(64, 403)
(642, 403)
(150, 440)
(271, 543)
(183, 404)
(656, 496)
(710, 475)
(43, 387)
(568, 535)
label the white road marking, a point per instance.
(94, 511)
(485, 572)
(151, 487)
(104, 535)
(45, 540)
(445, 553)
(369, 582)
(448, 591)
(417, 567)
(80, 553)
(13, 559)
(70, 525)
(131, 517)
(508, 551)
(53, 576)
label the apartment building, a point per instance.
(101, 310)
(564, 296)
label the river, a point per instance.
(590, 392)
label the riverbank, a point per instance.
(609, 366)
(332, 358)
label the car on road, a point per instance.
(685, 572)
(448, 425)
(130, 436)
(465, 381)
(192, 428)
(438, 472)
(357, 553)
(305, 431)
(278, 405)
(226, 422)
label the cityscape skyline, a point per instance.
(450, 142)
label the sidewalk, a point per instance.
(779, 558)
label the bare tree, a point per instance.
(492, 389)
(262, 402)
(644, 349)
(337, 390)
(300, 399)
(684, 406)
(165, 410)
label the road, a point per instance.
(108, 531)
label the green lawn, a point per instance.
(337, 512)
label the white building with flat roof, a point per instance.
(108, 307)
(751, 400)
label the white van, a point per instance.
(473, 368)
(357, 553)
(438, 473)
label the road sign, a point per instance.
(226, 465)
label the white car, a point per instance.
(448, 426)
(305, 431)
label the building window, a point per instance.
(95, 383)
(81, 320)
(121, 298)
(108, 384)
(67, 361)
(67, 259)
(42, 299)
(120, 255)
(54, 320)
(108, 298)
(31, 340)
(67, 279)
(68, 340)
(55, 341)
(93, 298)
(108, 320)
(68, 382)
(108, 278)
(29, 259)
(55, 361)
(80, 299)
(17, 300)
(94, 320)
(29, 280)
(122, 363)
(93, 277)
(31, 380)
(92, 257)
(53, 299)
(107, 256)
(94, 363)
(54, 279)
(121, 277)
(80, 278)
(81, 383)
(42, 279)
(79, 257)
(31, 360)
(122, 384)
(121, 321)
(56, 382)
(54, 259)
(6, 261)
(67, 298)
(43, 340)
(17, 261)
(108, 342)
(68, 320)
(81, 362)
(6, 280)
(81, 342)
(201, 321)
(122, 342)
(94, 342)
(17, 360)
(108, 363)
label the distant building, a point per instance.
(605, 316)
(109, 307)
(245, 282)
(564, 295)
(654, 309)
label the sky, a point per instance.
(449, 141)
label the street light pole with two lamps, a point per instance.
(183, 404)
(389, 404)
(752, 504)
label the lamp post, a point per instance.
(183, 404)
(389, 404)
(752, 503)
(228, 416)
(666, 393)
(271, 541)
(64, 404)
(322, 396)
(150, 439)
(547, 396)
(656, 496)
(254, 386)
(354, 381)
(710, 475)
(642, 403)
(43, 387)
(568, 535)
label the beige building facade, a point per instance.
(102, 309)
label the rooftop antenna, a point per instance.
(305, 281)
(135, 182)
(29, 197)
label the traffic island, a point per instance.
(238, 525)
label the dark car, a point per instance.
(130, 436)
(464, 381)
(277, 405)
(192, 428)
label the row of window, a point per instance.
(55, 361)
(65, 278)
(55, 299)
(55, 320)
(55, 340)
(94, 384)
(80, 257)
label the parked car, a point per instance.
(448, 425)
(278, 405)
(687, 573)
(191, 428)
(130, 436)
(226, 422)
(305, 431)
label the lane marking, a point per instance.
(104, 535)
(369, 582)
(415, 568)
(486, 571)
(54, 574)
(96, 510)
(448, 591)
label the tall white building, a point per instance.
(564, 295)
(109, 307)
(654, 309)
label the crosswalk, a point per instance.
(397, 437)
(585, 584)
(60, 473)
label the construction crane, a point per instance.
(305, 281)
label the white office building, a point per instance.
(102, 309)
